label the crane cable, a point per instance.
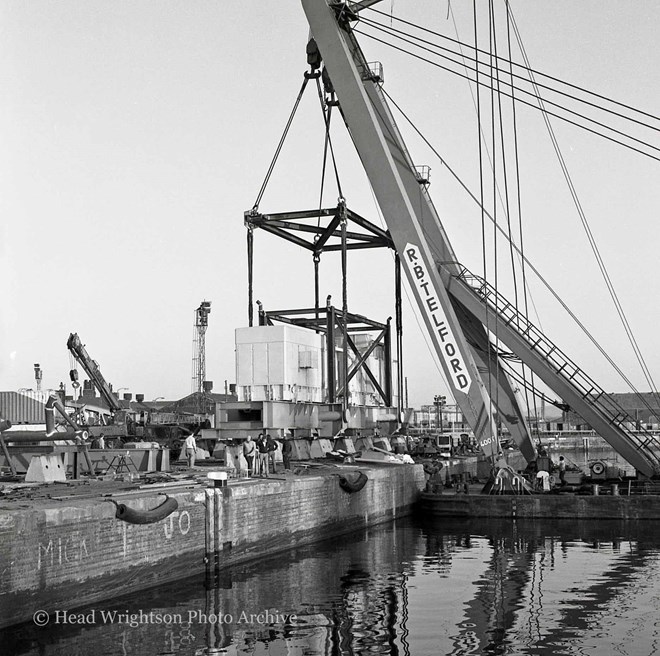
(528, 69)
(493, 48)
(545, 112)
(255, 207)
(483, 217)
(523, 274)
(528, 263)
(416, 41)
(525, 102)
(328, 141)
(590, 236)
(505, 203)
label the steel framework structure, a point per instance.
(329, 231)
(199, 346)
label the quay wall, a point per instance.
(280, 514)
(57, 555)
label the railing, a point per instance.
(562, 365)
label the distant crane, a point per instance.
(199, 346)
(92, 369)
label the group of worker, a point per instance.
(260, 454)
(543, 477)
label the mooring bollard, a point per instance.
(595, 489)
(615, 489)
(214, 525)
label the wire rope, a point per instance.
(326, 139)
(528, 263)
(416, 40)
(587, 228)
(519, 212)
(505, 202)
(483, 218)
(493, 48)
(529, 69)
(545, 113)
(527, 103)
(278, 150)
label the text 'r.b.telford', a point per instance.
(448, 346)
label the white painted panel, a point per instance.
(276, 363)
(260, 364)
(243, 364)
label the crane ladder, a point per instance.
(591, 393)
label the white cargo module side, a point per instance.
(280, 363)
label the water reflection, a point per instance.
(413, 587)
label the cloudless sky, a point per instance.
(134, 135)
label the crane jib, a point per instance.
(448, 347)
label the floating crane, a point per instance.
(459, 309)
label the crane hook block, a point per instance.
(313, 55)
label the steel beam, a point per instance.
(285, 235)
(369, 373)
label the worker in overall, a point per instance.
(190, 449)
(248, 452)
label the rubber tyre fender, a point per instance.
(354, 485)
(133, 516)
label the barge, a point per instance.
(63, 546)
(561, 505)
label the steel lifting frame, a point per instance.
(332, 321)
(330, 232)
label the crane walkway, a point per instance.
(594, 400)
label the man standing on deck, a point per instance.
(287, 449)
(271, 445)
(262, 449)
(562, 470)
(190, 448)
(248, 452)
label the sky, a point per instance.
(134, 135)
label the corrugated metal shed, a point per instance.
(23, 407)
